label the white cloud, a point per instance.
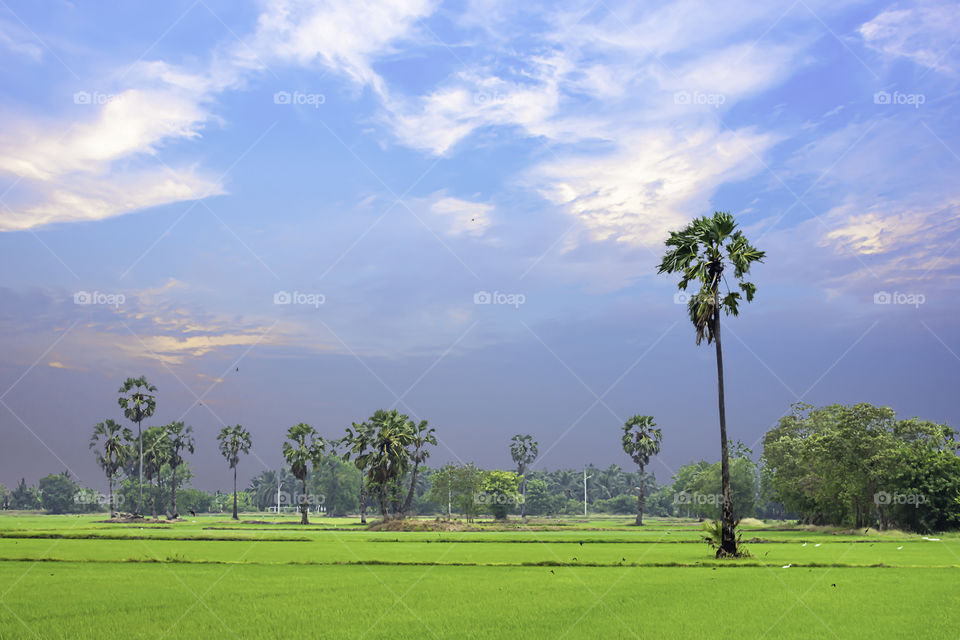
(925, 34)
(462, 217)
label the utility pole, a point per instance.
(585, 478)
(278, 494)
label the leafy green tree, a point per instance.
(441, 487)
(303, 447)
(523, 450)
(138, 402)
(500, 492)
(113, 452)
(641, 441)
(421, 436)
(467, 482)
(389, 458)
(358, 443)
(537, 499)
(4, 498)
(181, 440)
(24, 497)
(233, 441)
(701, 253)
(57, 493)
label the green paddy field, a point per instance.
(211, 577)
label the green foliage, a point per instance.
(57, 493)
(499, 491)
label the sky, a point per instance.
(303, 211)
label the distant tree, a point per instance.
(499, 491)
(523, 450)
(4, 498)
(57, 493)
(232, 442)
(302, 448)
(389, 458)
(421, 436)
(358, 443)
(24, 497)
(113, 452)
(700, 253)
(641, 441)
(441, 487)
(138, 402)
(181, 440)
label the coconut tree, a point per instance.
(358, 443)
(113, 453)
(702, 253)
(156, 452)
(641, 441)
(181, 440)
(421, 435)
(523, 450)
(303, 447)
(138, 402)
(232, 442)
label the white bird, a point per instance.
(900, 547)
(817, 545)
(786, 566)
(804, 544)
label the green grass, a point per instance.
(70, 576)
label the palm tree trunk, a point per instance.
(235, 517)
(363, 496)
(140, 469)
(523, 493)
(640, 500)
(110, 484)
(413, 487)
(728, 542)
(384, 506)
(153, 500)
(173, 492)
(303, 501)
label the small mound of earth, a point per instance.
(126, 518)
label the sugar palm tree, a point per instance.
(422, 435)
(303, 447)
(641, 441)
(232, 442)
(113, 453)
(701, 253)
(138, 403)
(156, 452)
(358, 443)
(389, 456)
(523, 450)
(181, 440)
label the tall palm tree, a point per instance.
(641, 441)
(304, 447)
(181, 440)
(156, 452)
(389, 456)
(701, 253)
(232, 442)
(359, 444)
(523, 450)
(114, 451)
(422, 435)
(138, 403)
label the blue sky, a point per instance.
(188, 164)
